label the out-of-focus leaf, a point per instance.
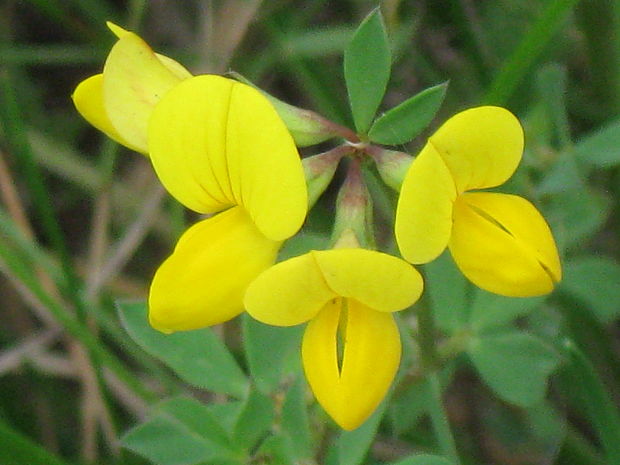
(17, 449)
(576, 215)
(367, 61)
(447, 289)
(277, 449)
(515, 365)
(353, 445)
(594, 281)
(423, 459)
(295, 422)
(182, 431)
(198, 357)
(254, 419)
(600, 148)
(405, 121)
(491, 310)
(268, 350)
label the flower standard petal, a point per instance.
(289, 293)
(503, 245)
(135, 79)
(350, 394)
(424, 212)
(203, 282)
(88, 100)
(380, 281)
(481, 146)
(187, 143)
(264, 165)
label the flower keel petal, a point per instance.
(503, 245)
(203, 282)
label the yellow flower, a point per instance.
(499, 241)
(219, 146)
(346, 293)
(120, 100)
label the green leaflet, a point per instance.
(367, 61)
(402, 123)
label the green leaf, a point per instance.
(254, 419)
(268, 350)
(594, 281)
(198, 357)
(491, 310)
(182, 431)
(17, 449)
(367, 61)
(405, 121)
(514, 364)
(447, 289)
(353, 445)
(600, 148)
(577, 214)
(423, 459)
(295, 422)
(277, 449)
(601, 408)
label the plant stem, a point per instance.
(439, 420)
(436, 410)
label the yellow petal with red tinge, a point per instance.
(203, 282)
(481, 146)
(187, 143)
(378, 280)
(88, 100)
(289, 293)
(264, 165)
(424, 211)
(503, 245)
(135, 79)
(370, 360)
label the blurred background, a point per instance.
(84, 222)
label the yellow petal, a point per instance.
(503, 245)
(202, 283)
(135, 79)
(264, 164)
(215, 142)
(481, 146)
(187, 143)
(88, 100)
(424, 211)
(288, 293)
(378, 280)
(370, 360)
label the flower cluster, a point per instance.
(221, 148)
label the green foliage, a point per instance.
(404, 122)
(182, 431)
(367, 61)
(514, 364)
(601, 294)
(423, 459)
(199, 357)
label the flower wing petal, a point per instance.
(264, 165)
(135, 79)
(289, 293)
(481, 146)
(187, 143)
(503, 245)
(203, 282)
(379, 280)
(424, 211)
(351, 394)
(88, 100)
